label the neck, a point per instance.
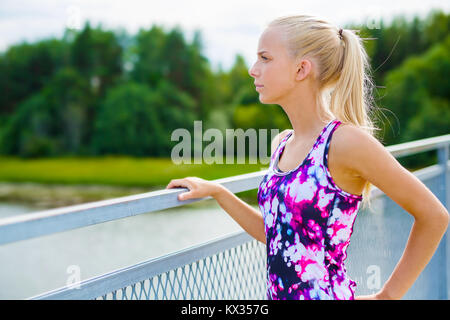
(305, 115)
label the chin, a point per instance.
(265, 100)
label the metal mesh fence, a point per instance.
(236, 273)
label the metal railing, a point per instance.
(233, 267)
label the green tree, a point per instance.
(51, 122)
(417, 93)
(168, 57)
(97, 55)
(135, 119)
(26, 68)
(412, 88)
(127, 122)
(241, 82)
(149, 67)
(390, 44)
(259, 116)
(175, 109)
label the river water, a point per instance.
(34, 266)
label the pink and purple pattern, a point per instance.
(308, 223)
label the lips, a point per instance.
(258, 85)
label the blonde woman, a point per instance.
(313, 189)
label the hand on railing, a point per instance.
(198, 187)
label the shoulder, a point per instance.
(347, 135)
(277, 139)
(375, 164)
(354, 148)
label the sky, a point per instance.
(228, 27)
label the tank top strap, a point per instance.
(325, 140)
(278, 149)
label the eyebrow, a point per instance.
(261, 52)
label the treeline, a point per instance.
(411, 63)
(97, 92)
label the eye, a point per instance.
(264, 58)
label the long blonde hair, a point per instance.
(343, 70)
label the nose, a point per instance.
(251, 71)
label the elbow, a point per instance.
(442, 220)
(446, 219)
(261, 239)
(438, 222)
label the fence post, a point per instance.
(443, 154)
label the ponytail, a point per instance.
(350, 98)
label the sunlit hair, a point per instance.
(342, 74)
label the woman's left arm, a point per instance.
(372, 161)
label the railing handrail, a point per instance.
(418, 146)
(31, 225)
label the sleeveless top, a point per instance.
(308, 223)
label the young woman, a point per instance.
(312, 191)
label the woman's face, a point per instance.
(274, 69)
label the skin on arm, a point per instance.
(371, 161)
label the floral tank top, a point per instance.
(308, 223)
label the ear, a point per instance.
(304, 67)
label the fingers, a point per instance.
(180, 183)
(177, 183)
(184, 196)
(171, 184)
